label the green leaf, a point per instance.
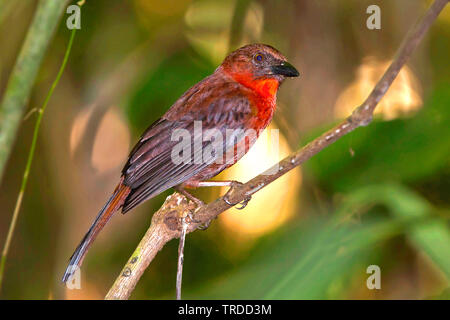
(304, 262)
(308, 261)
(431, 235)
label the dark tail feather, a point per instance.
(113, 204)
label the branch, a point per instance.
(166, 222)
(24, 73)
(165, 226)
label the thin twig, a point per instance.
(166, 225)
(184, 226)
(30, 159)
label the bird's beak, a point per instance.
(285, 69)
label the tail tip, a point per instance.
(69, 272)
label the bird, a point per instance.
(238, 97)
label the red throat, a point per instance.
(266, 88)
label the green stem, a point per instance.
(30, 159)
(24, 73)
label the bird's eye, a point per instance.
(259, 57)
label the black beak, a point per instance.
(285, 69)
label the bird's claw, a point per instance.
(202, 226)
(243, 203)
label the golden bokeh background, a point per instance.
(312, 233)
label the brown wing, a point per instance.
(150, 169)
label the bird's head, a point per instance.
(258, 66)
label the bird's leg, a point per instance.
(198, 184)
(190, 196)
(225, 183)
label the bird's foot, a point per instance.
(204, 226)
(243, 203)
(198, 203)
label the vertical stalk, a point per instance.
(30, 159)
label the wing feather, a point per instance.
(150, 169)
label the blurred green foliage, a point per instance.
(174, 75)
(405, 150)
(316, 260)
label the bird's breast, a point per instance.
(263, 109)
